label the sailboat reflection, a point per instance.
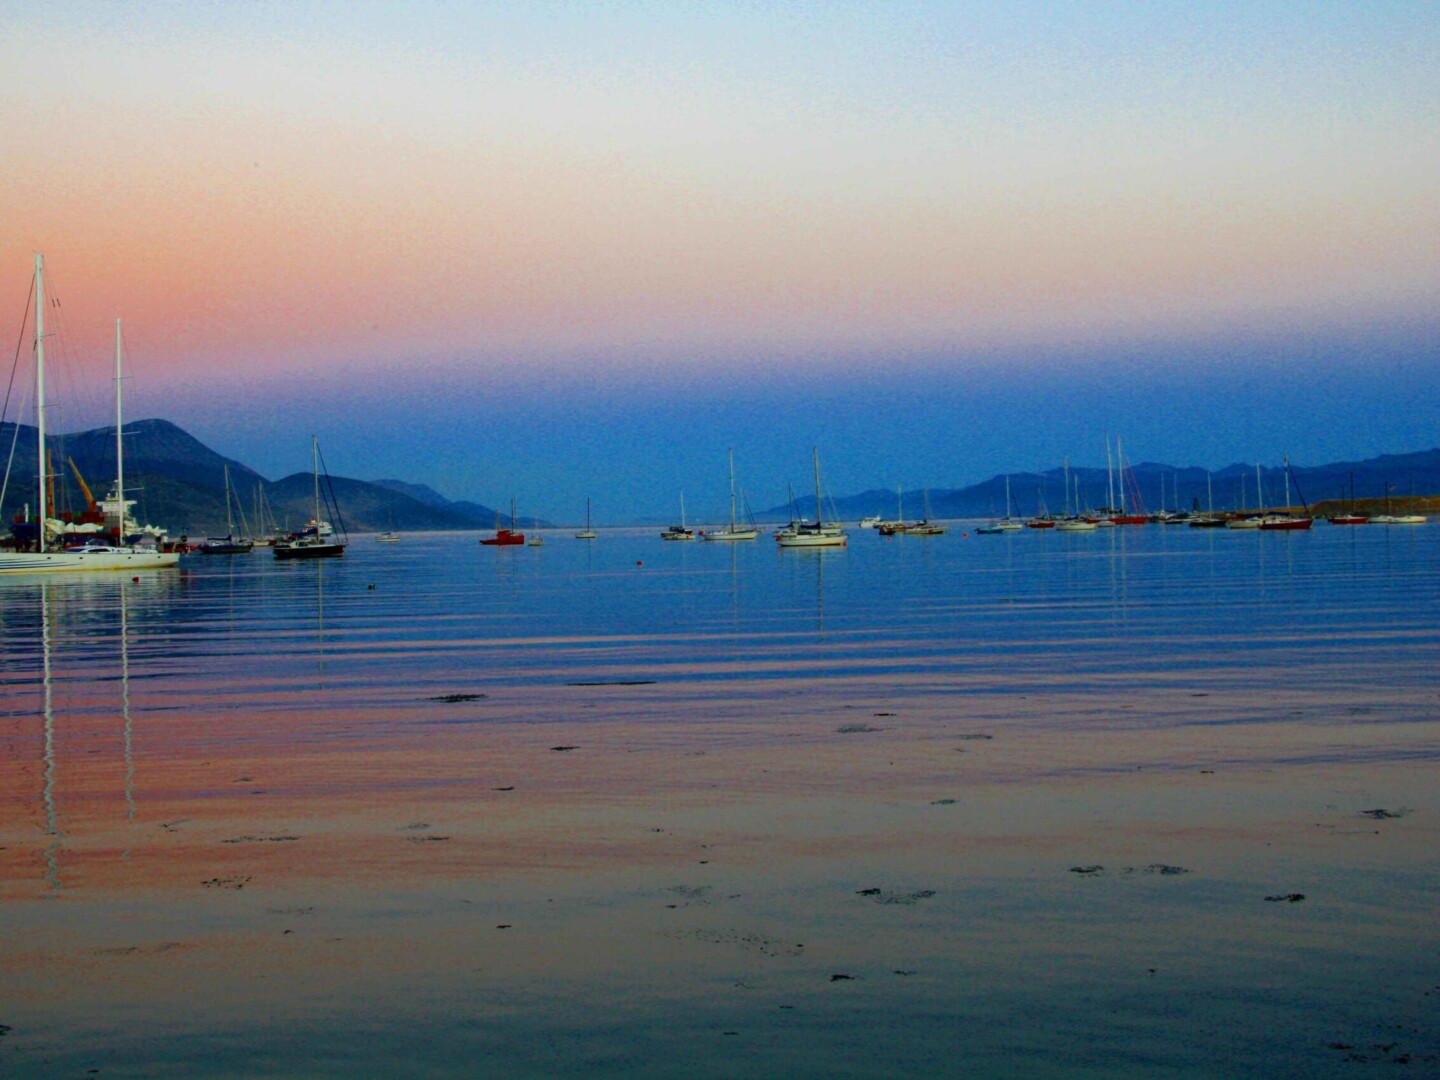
(68, 628)
(47, 713)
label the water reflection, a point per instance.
(47, 718)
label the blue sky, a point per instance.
(577, 249)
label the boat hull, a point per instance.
(309, 551)
(504, 538)
(48, 562)
(810, 541)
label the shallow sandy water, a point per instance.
(961, 809)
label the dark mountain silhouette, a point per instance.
(179, 482)
(1184, 487)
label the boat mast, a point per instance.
(1120, 464)
(1287, 484)
(815, 453)
(230, 522)
(40, 384)
(1259, 492)
(315, 467)
(119, 448)
(732, 489)
(1109, 476)
(1067, 486)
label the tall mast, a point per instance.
(1259, 492)
(1120, 465)
(40, 384)
(1109, 475)
(1067, 486)
(229, 521)
(315, 468)
(119, 447)
(732, 489)
(1287, 484)
(815, 452)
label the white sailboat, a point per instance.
(94, 553)
(1006, 524)
(819, 533)
(925, 527)
(733, 531)
(586, 533)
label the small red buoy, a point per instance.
(639, 563)
(135, 579)
(964, 534)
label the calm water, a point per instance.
(627, 807)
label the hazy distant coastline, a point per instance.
(180, 484)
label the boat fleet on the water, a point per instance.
(107, 536)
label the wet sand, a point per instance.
(1216, 858)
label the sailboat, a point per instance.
(732, 531)
(681, 531)
(536, 540)
(1388, 518)
(891, 528)
(1005, 524)
(505, 537)
(925, 527)
(586, 533)
(229, 544)
(1285, 520)
(1349, 516)
(819, 533)
(94, 553)
(1250, 521)
(318, 540)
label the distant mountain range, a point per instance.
(179, 483)
(1151, 486)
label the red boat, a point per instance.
(505, 537)
(1348, 519)
(1285, 521)
(1129, 519)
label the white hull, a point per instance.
(827, 537)
(730, 534)
(46, 562)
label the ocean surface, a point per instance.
(1151, 800)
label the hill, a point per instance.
(1153, 486)
(179, 482)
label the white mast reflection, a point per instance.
(47, 791)
(125, 707)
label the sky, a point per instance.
(566, 250)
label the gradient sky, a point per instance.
(572, 249)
